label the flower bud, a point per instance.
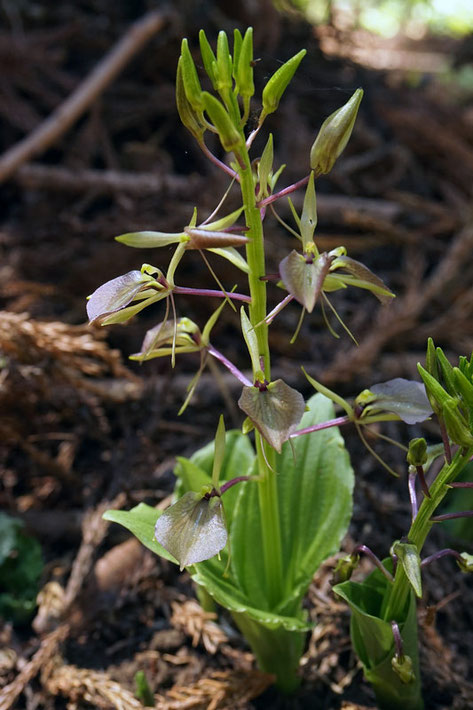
(344, 568)
(403, 668)
(466, 562)
(417, 453)
(244, 65)
(457, 428)
(334, 135)
(230, 137)
(191, 83)
(278, 83)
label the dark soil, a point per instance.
(83, 429)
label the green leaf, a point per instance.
(193, 478)
(275, 411)
(192, 529)
(315, 485)
(150, 240)
(238, 461)
(141, 521)
(21, 565)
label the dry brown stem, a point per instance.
(85, 94)
(42, 656)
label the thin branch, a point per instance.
(85, 94)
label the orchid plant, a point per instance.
(252, 522)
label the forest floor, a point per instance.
(82, 429)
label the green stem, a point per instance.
(396, 602)
(267, 486)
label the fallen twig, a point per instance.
(88, 90)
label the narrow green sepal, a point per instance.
(409, 558)
(247, 426)
(230, 137)
(278, 83)
(334, 135)
(219, 451)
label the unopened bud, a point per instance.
(230, 136)
(344, 568)
(403, 668)
(465, 562)
(457, 428)
(334, 135)
(417, 453)
(278, 83)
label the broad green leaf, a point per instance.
(246, 541)
(315, 484)
(141, 521)
(192, 476)
(373, 640)
(275, 411)
(150, 240)
(210, 574)
(405, 398)
(114, 295)
(192, 529)
(238, 461)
